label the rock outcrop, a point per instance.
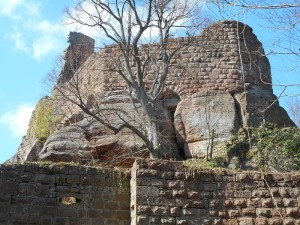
(205, 119)
(212, 90)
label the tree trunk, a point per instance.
(160, 148)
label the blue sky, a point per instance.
(32, 35)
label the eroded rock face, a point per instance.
(202, 116)
(258, 106)
(89, 140)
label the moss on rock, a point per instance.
(45, 119)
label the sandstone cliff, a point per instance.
(212, 89)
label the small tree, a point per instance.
(128, 25)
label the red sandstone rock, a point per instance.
(211, 65)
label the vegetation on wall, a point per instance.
(268, 146)
(45, 119)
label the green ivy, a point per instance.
(269, 146)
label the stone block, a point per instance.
(275, 221)
(99, 213)
(264, 212)
(43, 191)
(261, 221)
(10, 187)
(179, 194)
(214, 203)
(242, 177)
(160, 211)
(147, 173)
(45, 170)
(143, 210)
(45, 178)
(198, 204)
(123, 215)
(60, 169)
(293, 212)
(46, 220)
(143, 181)
(234, 213)
(147, 191)
(249, 211)
(175, 211)
(230, 222)
(288, 221)
(223, 214)
(67, 212)
(275, 191)
(48, 211)
(213, 213)
(73, 179)
(217, 222)
(180, 221)
(242, 194)
(206, 194)
(165, 193)
(168, 221)
(240, 202)
(32, 168)
(167, 175)
(61, 179)
(159, 165)
(285, 192)
(176, 184)
(190, 212)
(194, 195)
(267, 202)
(23, 200)
(111, 205)
(26, 176)
(246, 221)
(161, 183)
(289, 202)
(4, 198)
(209, 187)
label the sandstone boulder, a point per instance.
(258, 106)
(89, 140)
(197, 117)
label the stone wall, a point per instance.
(210, 61)
(164, 192)
(60, 194)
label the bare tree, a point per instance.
(128, 25)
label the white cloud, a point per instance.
(19, 41)
(49, 40)
(31, 32)
(44, 46)
(87, 10)
(17, 121)
(8, 7)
